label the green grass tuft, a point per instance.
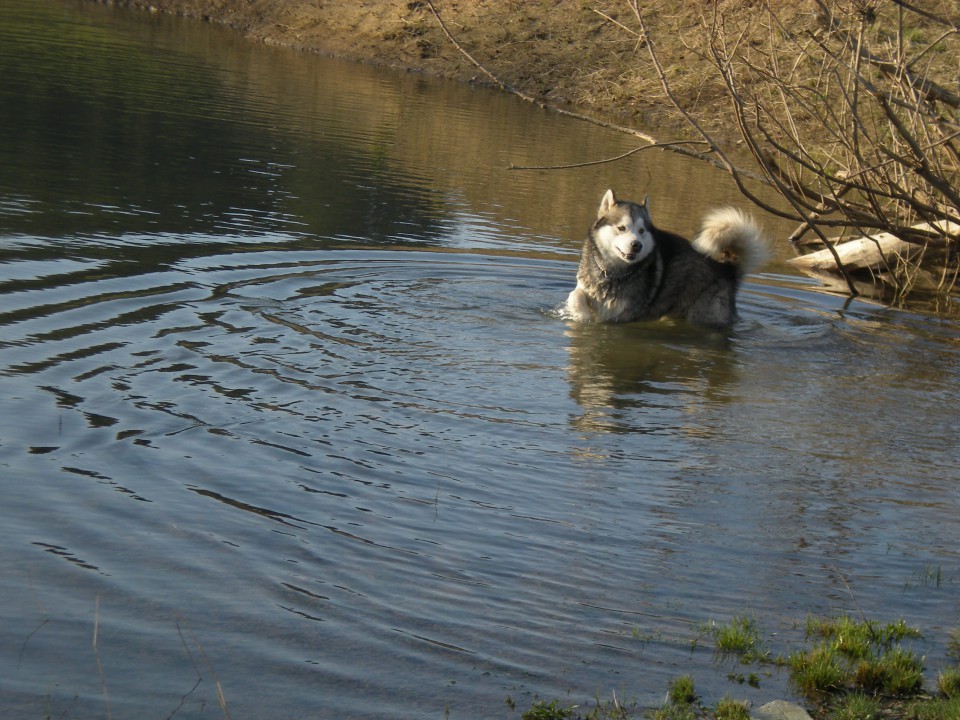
(856, 706)
(853, 670)
(730, 709)
(818, 672)
(864, 655)
(939, 709)
(740, 637)
(541, 710)
(682, 691)
(948, 682)
(673, 712)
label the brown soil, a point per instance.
(560, 52)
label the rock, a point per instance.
(780, 710)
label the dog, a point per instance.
(631, 270)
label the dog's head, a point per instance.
(623, 231)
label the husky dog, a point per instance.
(630, 270)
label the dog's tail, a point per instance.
(731, 236)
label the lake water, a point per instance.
(288, 410)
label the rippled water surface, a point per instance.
(291, 425)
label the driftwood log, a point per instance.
(885, 257)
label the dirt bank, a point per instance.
(581, 54)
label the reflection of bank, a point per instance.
(639, 376)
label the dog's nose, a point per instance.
(636, 246)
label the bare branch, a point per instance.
(679, 148)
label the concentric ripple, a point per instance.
(408, 454)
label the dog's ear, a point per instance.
(608, 201)
(646, 202)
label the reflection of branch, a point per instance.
(588, 163)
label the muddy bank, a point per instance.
(586, 56)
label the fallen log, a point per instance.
(879, 252)
(882, 252)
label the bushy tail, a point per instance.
(731, 236)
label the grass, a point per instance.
(857, 638)
(953, 645)
(682, 691)
(859, 655)
(741, 637)
(934, 709)
(730, 709)
(542, 710)
(948, 682)
(853, 669)
(611, 709)
(674, 712)
(817, 672)
(681, 699)
(856, 706)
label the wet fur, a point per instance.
(631, 270)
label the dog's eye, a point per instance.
(621, 228)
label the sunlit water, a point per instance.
(288, 408)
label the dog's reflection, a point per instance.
(621, 374)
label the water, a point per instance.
(289, 413)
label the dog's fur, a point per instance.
(631, 270)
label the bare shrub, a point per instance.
(852, 115)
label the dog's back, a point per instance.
(695, 287)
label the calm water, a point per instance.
(287, 406)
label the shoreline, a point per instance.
(560, 55)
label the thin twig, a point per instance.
(853, 597)
(221, 698)
(722, 161)
(196, 669)
(468, 56)
(928, 15)
(96, 656)
(618, 23)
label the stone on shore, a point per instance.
(780, 710)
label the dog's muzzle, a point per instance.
(635, 248)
